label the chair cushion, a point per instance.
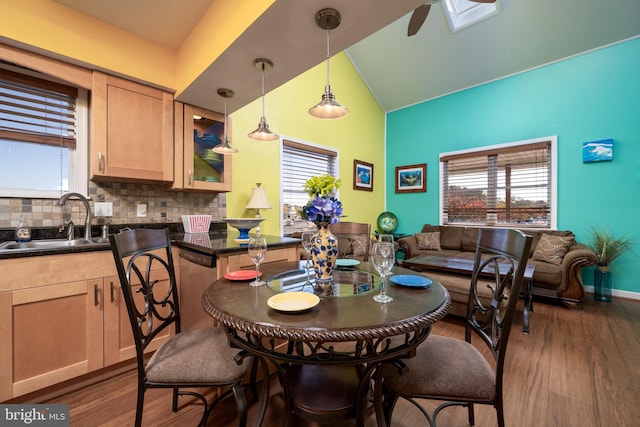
(552, 248)
(429, 240)
(446, 368)
(200, 356)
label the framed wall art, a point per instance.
(411, 178)
(362, 175)
(597, 151)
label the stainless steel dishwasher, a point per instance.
(197, 272)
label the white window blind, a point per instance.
(299, 163)
(502, 186)
(36, 110)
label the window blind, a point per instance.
(498, 187)
(299, 163)
(36, 110)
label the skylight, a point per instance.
(464, 13)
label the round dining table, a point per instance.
(325, 349)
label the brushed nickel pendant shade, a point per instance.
(262, 132)
(328, 108)
(225, 146)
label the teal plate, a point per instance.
(347, 262)
(411, 281)
(387, 222)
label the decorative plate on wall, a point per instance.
(387, 222)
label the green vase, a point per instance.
(324, 253)
(602, 284)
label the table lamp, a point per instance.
(257, 201)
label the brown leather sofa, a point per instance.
(558, 277)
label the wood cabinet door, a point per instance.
(51, 334)
(118, 336)
(198, 168)
(131, 131)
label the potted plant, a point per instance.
(607, 247)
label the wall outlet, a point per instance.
(103, 209)
(141, 210)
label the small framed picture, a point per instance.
(362, 175)
(597, 151)
(411, 178)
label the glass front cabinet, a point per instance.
(198, 168)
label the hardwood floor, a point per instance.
(574, 369)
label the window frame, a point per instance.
(553, 181)
(78, 156)
(311, 148)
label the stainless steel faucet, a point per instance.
(87, 220)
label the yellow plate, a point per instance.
(292, 302)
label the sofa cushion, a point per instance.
(552, 249)
(428, 240)
(451, 237)
(469, 239)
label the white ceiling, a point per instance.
(399, 70)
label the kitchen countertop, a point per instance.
(218, 241)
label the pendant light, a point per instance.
(225, 146)
(262, 132)
(328, 108)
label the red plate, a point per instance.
(242, 275)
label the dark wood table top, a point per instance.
(358, 317)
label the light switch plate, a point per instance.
(141, 210)
(104, 209)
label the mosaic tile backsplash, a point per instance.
(163, 206)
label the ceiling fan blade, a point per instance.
(418, 17)
(483, 1)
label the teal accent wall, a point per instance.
(589, 97)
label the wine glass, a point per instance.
(383, 259)
(257, 252)
(387, 238)
(306, 244)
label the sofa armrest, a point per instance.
(409, 245)
(571, 289)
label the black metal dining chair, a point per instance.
(191, 359)
(453, 370)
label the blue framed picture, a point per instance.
(411, 178)
(362, 175)
(597, 151)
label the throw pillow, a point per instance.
(428, 240)
(359, 245)
(552, 249)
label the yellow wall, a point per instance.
(359, 135)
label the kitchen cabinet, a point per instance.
(131, 132)
(197, 167)
(63, 319)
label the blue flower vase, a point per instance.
(324, 253)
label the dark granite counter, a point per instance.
(217, 241)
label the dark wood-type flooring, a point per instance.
(574, 369)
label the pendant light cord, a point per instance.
(328, 63)
(263, 66)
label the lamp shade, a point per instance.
(258, 199)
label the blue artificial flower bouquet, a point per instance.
(323, 206)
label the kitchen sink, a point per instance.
(12, 246)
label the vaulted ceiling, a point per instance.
(399, 70)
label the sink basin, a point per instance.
(42, 244)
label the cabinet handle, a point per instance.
(190, 178)
(100, 162)
(96, 295)
(113, 297)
